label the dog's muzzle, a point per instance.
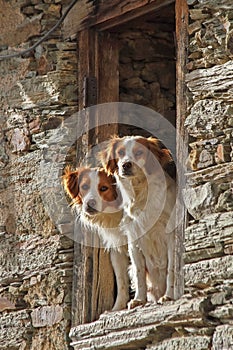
(91, 207)
(127, 168)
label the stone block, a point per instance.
(223, 338)
(210, 272)
(51, 338)
(6, 304)
(139, 327)
(199, 198)
(209, 237)
(47, 316)
(15, 327)
(215, 82)
(20, 141)
(27, 256)
(52, 89)
(212, 151)
(44, 289)
(184, 343)
(209, 117)
(223, 312)
(208, 191)
(210, 34)
(218, 174)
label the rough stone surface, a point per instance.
(223, 338)
(209, 272)
(185, 343)
(38, 92)
(46, 316)
(147, 65)
(209, 190)
(152, 324)
(208, 118)
(210, 32)
(210, 237)
(15, 326)
(211, 82)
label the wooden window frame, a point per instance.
(90, 295)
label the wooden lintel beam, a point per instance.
(106, 14)
(110, 19)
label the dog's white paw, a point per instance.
(164, 298)
(134, 303)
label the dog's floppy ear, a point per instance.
(162, 154)
(70, 182)
(107, 156)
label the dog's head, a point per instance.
(92, 190)
(127, 155)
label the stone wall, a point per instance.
(147, 63)
(38, 92)
(209, 192)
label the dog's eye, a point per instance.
(103, 188)
(121, 152)
(139, 153)
(85, 187)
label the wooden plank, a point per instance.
(82, 10)
(125, 11)
(107, 74)
(182, 137)
(107, 13)
(108, 83)
(83, 255)
(80, 304)
(86, 62)
(93, 275)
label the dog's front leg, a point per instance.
(169, 294)
(120, 264)
(138, 276)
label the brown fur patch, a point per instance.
(71, 180)
(109, 158)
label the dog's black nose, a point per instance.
(127, 165)
(91, 203)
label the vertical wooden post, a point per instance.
(108, 81)
(182, 45)
(93, 285)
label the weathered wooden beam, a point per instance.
(181, 52)
(107, 14)
(124, 11)
(98, 59)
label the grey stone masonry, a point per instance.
(38, 92)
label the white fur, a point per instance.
(106, 225)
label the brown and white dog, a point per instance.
(149, 193)
(98, 204)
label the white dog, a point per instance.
(97, 201)
(149, 195)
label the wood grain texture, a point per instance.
(182, 42)
(106, 13)
(93, 278)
